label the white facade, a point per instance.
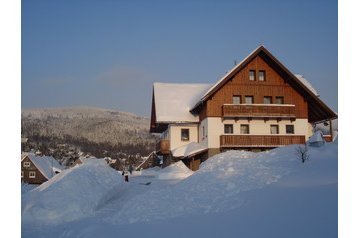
(211, 128)
(174, 134)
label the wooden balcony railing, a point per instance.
(259, 110)
(163, 146)
(260, 140)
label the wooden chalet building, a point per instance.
(38, 169)
(258, 105)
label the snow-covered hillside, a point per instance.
(234, 194)
(95, 124)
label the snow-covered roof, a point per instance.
(188, 150)
(307, 84)
(46, 164)
(317, 137)
(173, 101)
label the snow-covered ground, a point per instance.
(234, 194)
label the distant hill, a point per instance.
(81, 125)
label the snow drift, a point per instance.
(72, 194)
(234, 194)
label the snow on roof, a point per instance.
(174, 101)
(317, 137)
(307, 84)
(177, 170)
(46, 164)
(188, 149)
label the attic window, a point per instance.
(184, 134)
(236, 99)
(26, 164)
(249, 99)
(252, 75)
(262, 75)
(32, 174)
(267, 99)
(279, 100)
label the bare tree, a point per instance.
(302, 152)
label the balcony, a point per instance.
(163, 147)
(259, 110)
(237, 141)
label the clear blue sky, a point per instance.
(108, 53)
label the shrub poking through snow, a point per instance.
(302, 152)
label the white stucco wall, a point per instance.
(203, 132)
(215, 126)
(175, 134)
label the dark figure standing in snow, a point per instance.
(125, 174)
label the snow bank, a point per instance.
(72, 194)
(234, 194)
(177, 170)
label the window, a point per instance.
(32, 174)
(27, 164)
(267, 100)
(184, 134)
(228, 129)
(249, 99)
(279, 100)
(244, 129)
(236, 100)
(274, 129)
(22, 174)
(203, 131)
(262, 75)
(290, 129)
(252, 75)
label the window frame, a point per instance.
(32, 172)
(280, 97)
(249, 96)
(264, 75)
(181, 134)
(293, 129)
(269, 97)
(22, 174)
(274, 126)
(254, 75)
(228, 126)
(26, 164)
(245, 126)
(236, 96)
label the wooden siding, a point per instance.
(163, 147)
(274, 86)
(260, 140)
(39, 178)
(286, 111)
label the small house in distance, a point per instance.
(257, 105)
(38, 169)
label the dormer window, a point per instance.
(262, 75)
(252, 75)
